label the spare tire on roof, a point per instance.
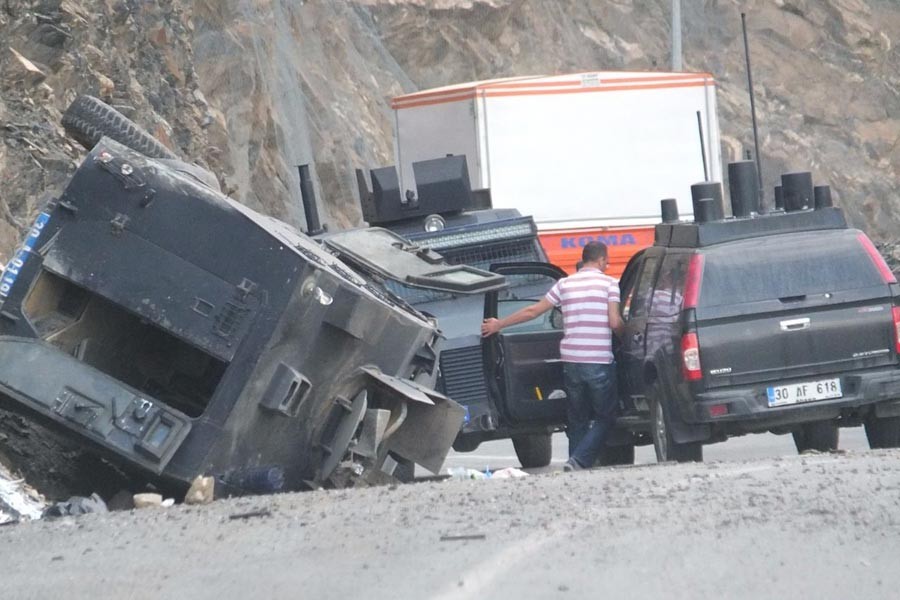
(88, 119)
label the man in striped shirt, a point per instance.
(589, 301)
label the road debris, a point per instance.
(147, 500)
(463, 537)
(202, 490)
(77, 505)
(262, 512)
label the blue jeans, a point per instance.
(591, 396)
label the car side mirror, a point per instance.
(556, 318)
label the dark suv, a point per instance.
(783, 322)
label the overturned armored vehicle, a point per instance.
(181, 333)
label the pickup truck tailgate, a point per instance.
(810, 305)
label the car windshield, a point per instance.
(786, 266)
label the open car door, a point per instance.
(522, 362)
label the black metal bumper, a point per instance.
(747, 407)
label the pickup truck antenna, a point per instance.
(702, 147)
(753, 112)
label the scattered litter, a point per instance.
(77, 505)
(263, 512)
(201, 491)
(15, 503)
(459, 473)
(147, 500)
(168, 502)
(466, 536)
(509, 473)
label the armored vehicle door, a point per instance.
(522, 362)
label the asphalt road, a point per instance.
(499, 454)
(814, 526)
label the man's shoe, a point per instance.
(572, 465)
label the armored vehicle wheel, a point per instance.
(820, 435)
(883, 433)
(88, 119)
(534, 450)
(616, 455)
(667, 449)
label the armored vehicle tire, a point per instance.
(534, 450)
(88, 119)
(883, 433)
(821, 436)
(616, 455)
(667, 449)
(466, 443)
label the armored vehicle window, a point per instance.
(523, 291)
(643, 289)
(786, 266)
(122, 345)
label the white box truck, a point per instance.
(588, 155)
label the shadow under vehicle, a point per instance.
(180, 333)
(444, 214)
(787, 321)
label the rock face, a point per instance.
(252, 88)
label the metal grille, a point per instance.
(463, 373)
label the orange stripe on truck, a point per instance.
(563, 247)
(501, 92)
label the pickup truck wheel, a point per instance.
(883, 433)
(821, 436)
(667, 449)
(616, 455)
(534, 450)
(88, 119)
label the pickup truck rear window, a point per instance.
(786, 266)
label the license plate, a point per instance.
(807, 391)
(11, 272)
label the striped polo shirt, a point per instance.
(584, 299)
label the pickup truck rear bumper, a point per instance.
(746, 408)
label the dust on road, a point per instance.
(817, 526)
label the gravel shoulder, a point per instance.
(813, 526)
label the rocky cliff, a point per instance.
(251, 88)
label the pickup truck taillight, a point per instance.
(692, 281)
(883, 269)
(690, 357)
(896, 313)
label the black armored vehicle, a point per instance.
(180, 333)
(444, 214)
(787, 321)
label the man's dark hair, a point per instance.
(593, 251)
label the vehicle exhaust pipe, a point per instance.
(669, 210)
(308, 196)
(798, 191)
(708, 190)
(743, 187)
(822, 194)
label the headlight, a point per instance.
(434, 223)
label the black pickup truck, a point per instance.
(787, 322)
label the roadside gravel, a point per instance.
(814, 526)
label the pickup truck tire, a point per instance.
(667, 449)
(88, 119)
(611, 456)
(821, 436)
(534, 450)
(883, 433)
